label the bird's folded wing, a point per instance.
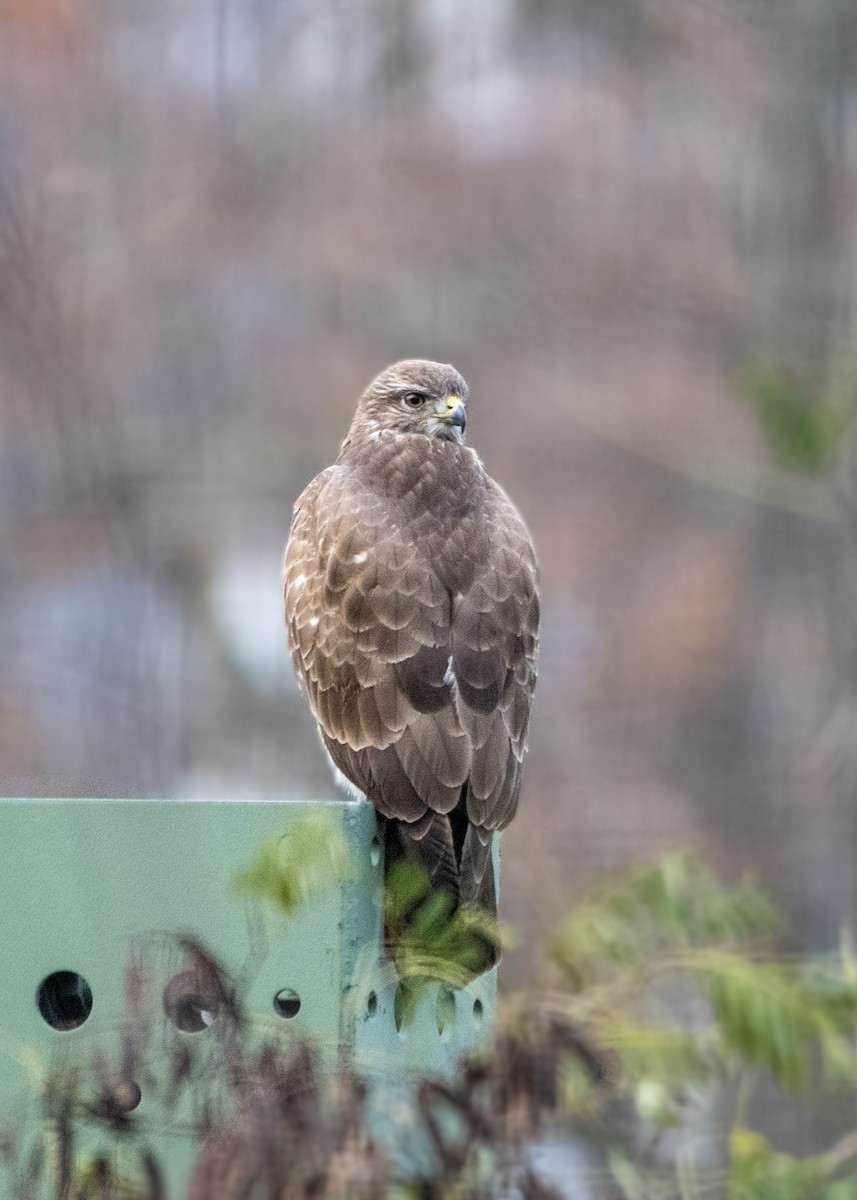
(417, 688)
(494, 659)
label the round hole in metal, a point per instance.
(371, 1004)
(287, 1003)
(65, 1000)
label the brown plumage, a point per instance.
(412, 607)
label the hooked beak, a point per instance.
(453, 413)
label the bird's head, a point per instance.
(416, 396)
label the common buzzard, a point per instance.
(411, 596)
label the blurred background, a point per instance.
(630, 224)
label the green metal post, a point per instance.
(88, 887)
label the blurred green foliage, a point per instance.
(675, 974)
(671, 985)
(428, 938)
(758, 1172)
(288, 871)
(804, 432)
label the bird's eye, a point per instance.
(413, 399)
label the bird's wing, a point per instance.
(369, 632)
(494, 659)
